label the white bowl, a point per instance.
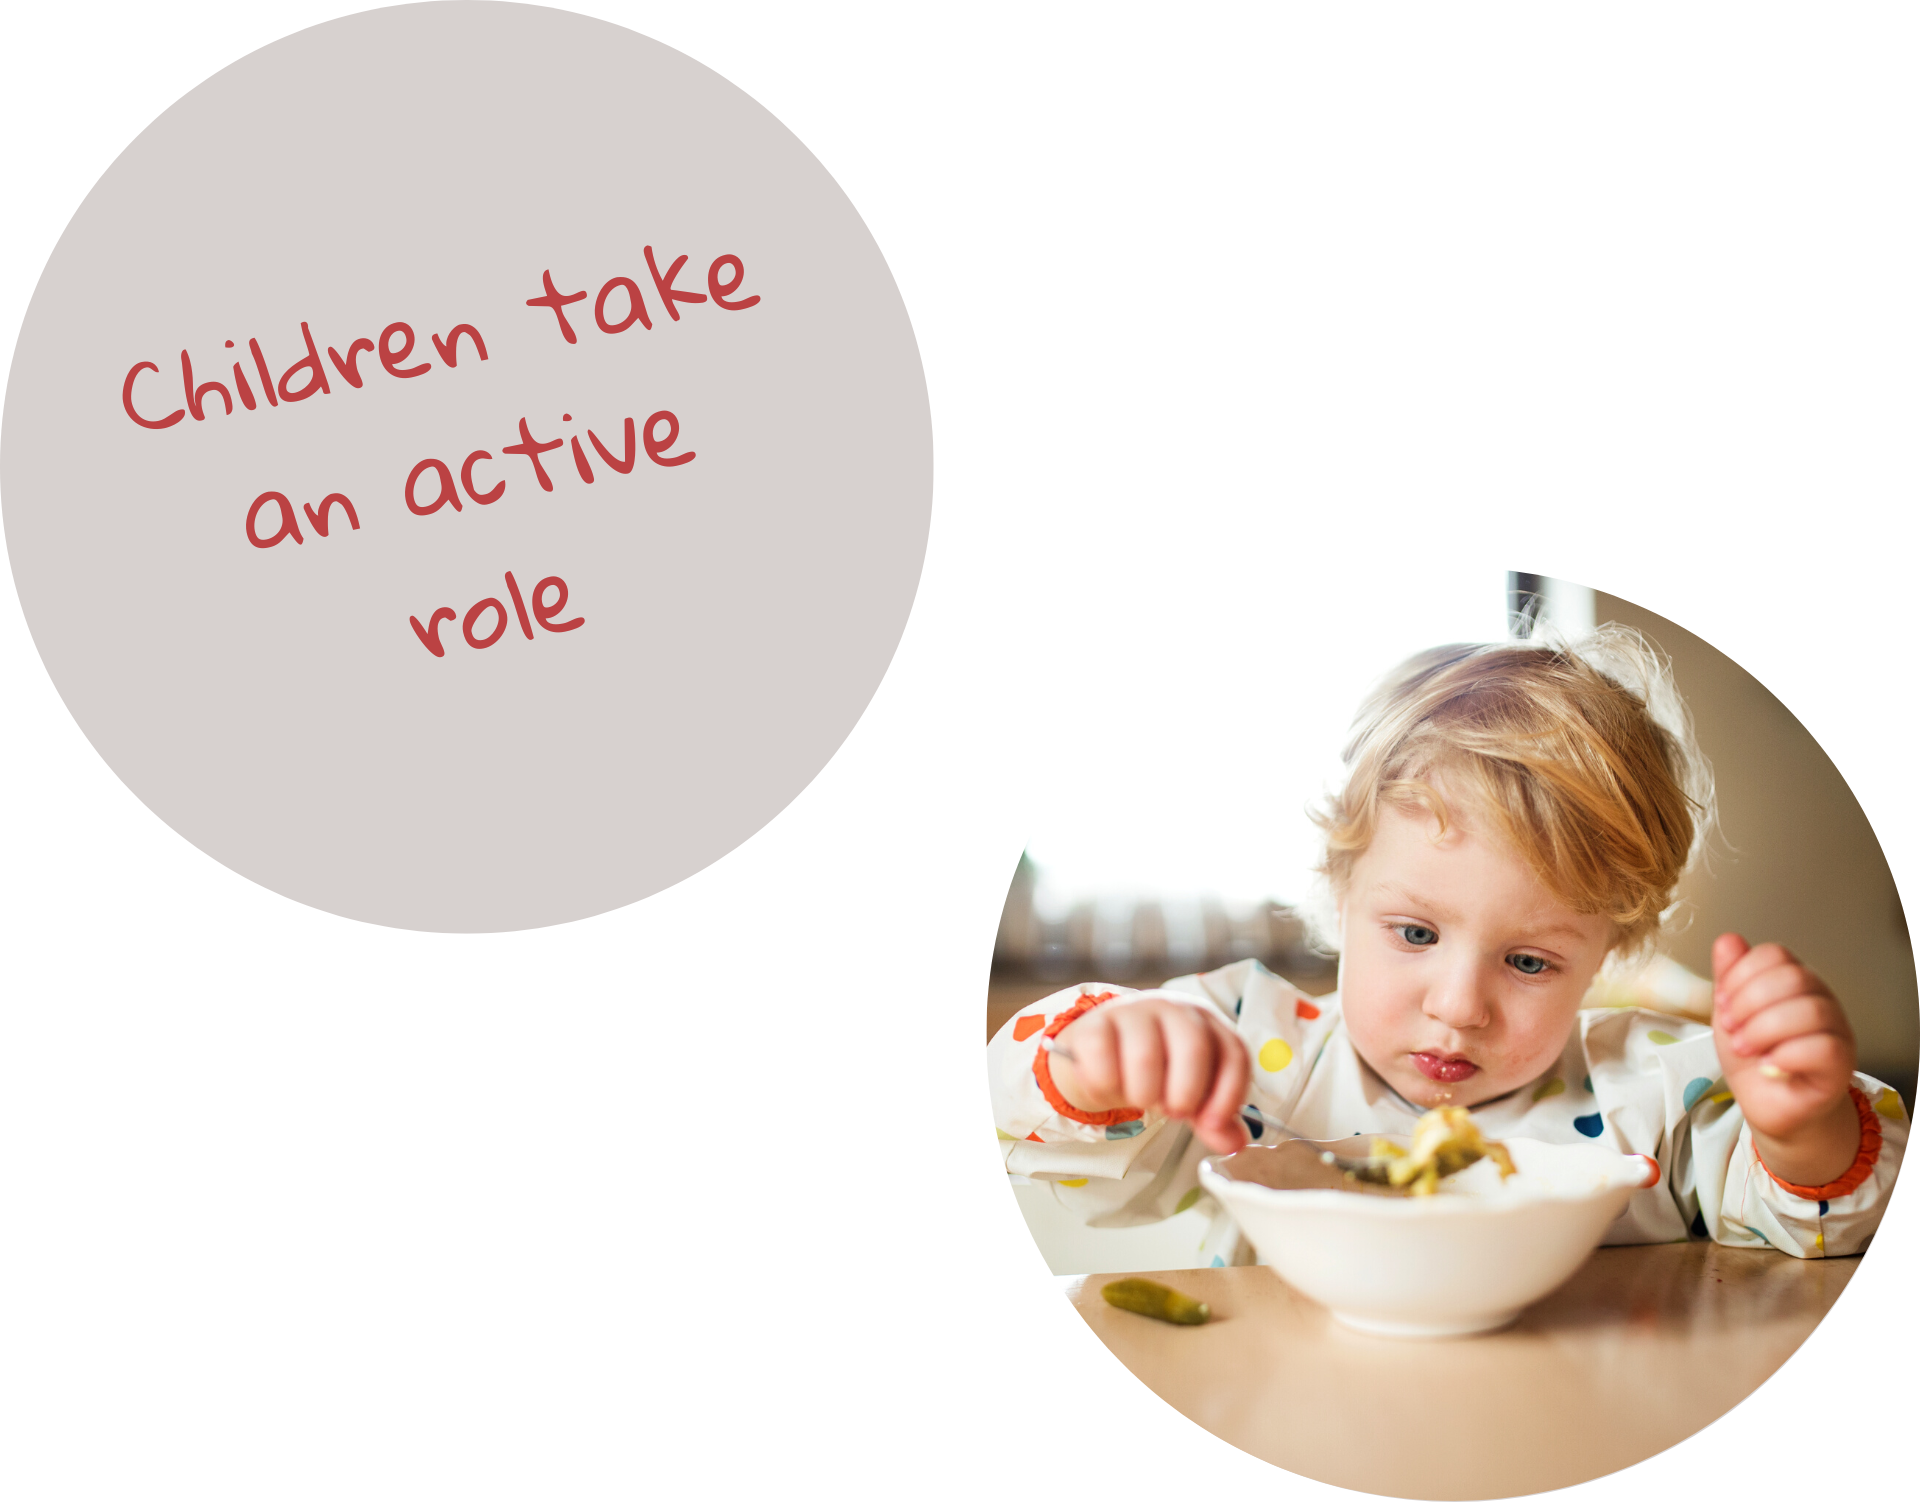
(1466, 1259)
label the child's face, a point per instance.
(1460, 974)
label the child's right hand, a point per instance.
(1177, 1058)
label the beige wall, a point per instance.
(1796, 860)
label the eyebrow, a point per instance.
(1442, 911)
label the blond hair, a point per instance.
(1579, 756)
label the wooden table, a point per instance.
(1641, 1348)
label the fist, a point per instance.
(1785, 1046)
(1179, 1059)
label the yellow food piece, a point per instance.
(1155, 1300)
(1444, 1142)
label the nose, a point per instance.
(1457, 998)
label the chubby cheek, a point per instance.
(1529, 1041)
(1381, 1018)
(1535, 1043)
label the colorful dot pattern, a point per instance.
(1277, 1054)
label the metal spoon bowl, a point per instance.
(1367, 1170)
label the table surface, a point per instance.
(1642, 1347)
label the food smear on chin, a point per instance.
(1445, 1140)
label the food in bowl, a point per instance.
(1466, 1258)
(1445, 1141)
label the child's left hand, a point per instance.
(1787, 1052)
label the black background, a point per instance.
(1189, 350)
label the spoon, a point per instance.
(1368, 1170)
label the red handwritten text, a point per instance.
(305, 377)
(431, 483)
(281, 509)
(485, 621)
(622, 295)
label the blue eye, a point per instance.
(1528, 964)
(1417, 934)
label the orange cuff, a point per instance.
(1863, 1162)
(1043, 1070)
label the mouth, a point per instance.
(1449, 1071)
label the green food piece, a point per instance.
(1445, 1140)
(1155, 1300)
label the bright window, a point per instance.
(1199, 784)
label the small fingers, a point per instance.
(1192, 1050)
(1819, 1057)
(1155, 1055)
(1773, 1026)
(1765, 989)
(1223, 1137)
(1143, 1056)
(1756, 961)
(1218, 1120)
(1727, 950)
(1091, 1080)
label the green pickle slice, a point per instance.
(1155, 1300)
